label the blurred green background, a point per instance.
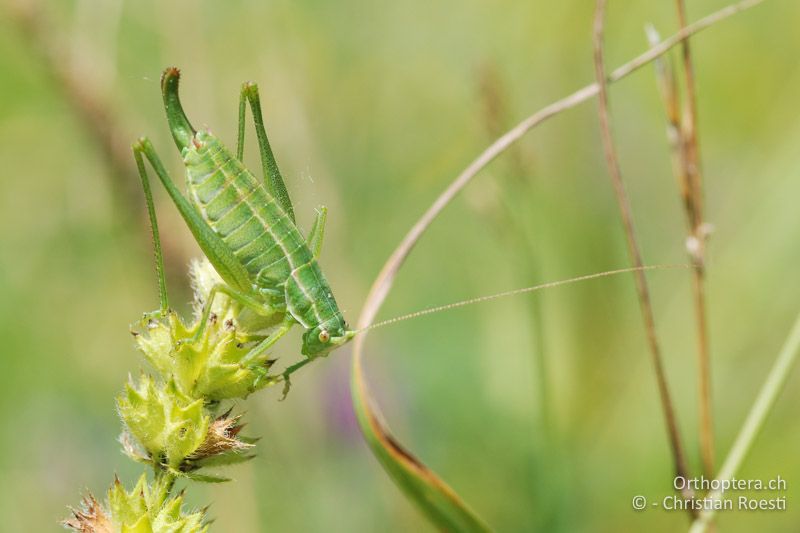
(541, 411)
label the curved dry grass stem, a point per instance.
(634, 251)
(383, 282)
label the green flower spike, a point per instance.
(150, 509)
(147, 508)
(169, 425)
(211, 366)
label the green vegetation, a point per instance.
(541, 412)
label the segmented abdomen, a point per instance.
(241, 211)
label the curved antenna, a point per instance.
(513, 292)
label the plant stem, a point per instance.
(634, 251)
(693, 177)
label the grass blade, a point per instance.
(766, 399)
(437, 501)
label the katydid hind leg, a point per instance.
(151, 213)
(272, 175)
(212, 245)
(180, 127)
(317, 233)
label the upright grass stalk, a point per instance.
(693, 203)
(634, 251)
(765, 401)
(685, 155)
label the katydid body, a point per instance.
(246, 229)
(280, 266)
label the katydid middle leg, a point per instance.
(265, 344)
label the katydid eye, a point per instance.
(324, 336)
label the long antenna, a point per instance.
(513, 292)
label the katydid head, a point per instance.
(320, 340)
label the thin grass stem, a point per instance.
(623, 202)
(761, 408)
(694, 211)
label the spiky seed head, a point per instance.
(90, 518)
